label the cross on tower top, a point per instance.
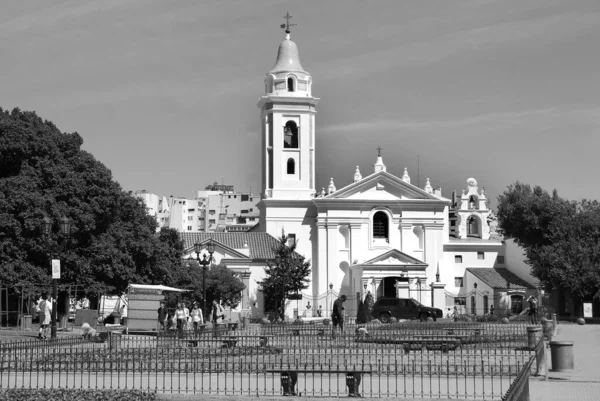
(379, 151)
(287, 24)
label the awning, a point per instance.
(149, 287)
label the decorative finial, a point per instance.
(379, 151)
(357, 175)
(287, 24)
(428, 188)
(331, 188)
(405, 176)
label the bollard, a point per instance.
(561, 353)
(534, 334)
(554, 324)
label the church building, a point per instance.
(380, 233)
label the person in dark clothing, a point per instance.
(337, 315)
(533, 309)
(162, 315)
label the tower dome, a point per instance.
(288, 59)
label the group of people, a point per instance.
(183, 319)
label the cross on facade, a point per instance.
(379, 151)
(287, 24)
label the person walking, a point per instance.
(337, 315)
(162, 316)
(197, 318)
(455, 313)
(188, 319)
(180, 316)
(45, 310)
(533, 309)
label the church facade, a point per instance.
(380, 233)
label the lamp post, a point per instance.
(210, 247)
(475, 298)
(331, 292)
(282, 306)
(65, 229)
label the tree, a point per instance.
(289, 274)
(221, 284)
(45, 173)
(561, 238)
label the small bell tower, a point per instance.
(287, 118)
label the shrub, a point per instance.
(264, 320)
(56, 394)
(393, 320)
(505, 320)
(326, 322)
(375, 322)
(581, 321)
(430, 319)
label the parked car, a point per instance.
(403, 308)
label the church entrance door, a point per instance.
(389, 286)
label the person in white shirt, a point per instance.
(196, 314)
(45, 309)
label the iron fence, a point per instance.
(413, 360)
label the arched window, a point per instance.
(290, 85)
(290, 135)
(485, 304)
(291, 166)
(472, 227)
(473, 202)
(380, 226)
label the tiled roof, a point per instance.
(497, 277)
(260, 244)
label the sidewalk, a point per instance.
(583, 383)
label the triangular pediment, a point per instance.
(382, 186)
(220, 249)
(394, 258)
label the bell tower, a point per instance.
(287, 119)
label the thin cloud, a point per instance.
(390, 124)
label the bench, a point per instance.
(320, 331)
(415, 343)
(228, 341)
(476, 331)
(289, 378)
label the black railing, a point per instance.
(408, 360)
(519, 388)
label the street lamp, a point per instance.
(210, 247)
(65, 229)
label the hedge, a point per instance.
(63, 394)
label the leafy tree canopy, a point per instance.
(113, 241)
(221, 284)
(290, 275)
(561, 238)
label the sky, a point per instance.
(164, 92)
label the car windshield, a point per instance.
(417, 303)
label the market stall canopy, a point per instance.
(154, 287)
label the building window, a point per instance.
(485, 304)
(211, 221)
(291, 239)
(290, 84)
(244, 211)
(458, 282)
(481, 255)
(460, 301)
(500, 259)
(189, 228)
(211, 212)
(290, 135)
(252, 219)
(245, 198)
(291, 166)
(380, 226)
(457, 258)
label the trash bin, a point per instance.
(561, 353)
(534, 334)
(26, 323)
